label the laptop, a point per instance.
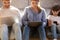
(34, 24)
(6, 20)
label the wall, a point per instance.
(44, 3)
(49, 3)
(20, 3)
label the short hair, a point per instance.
(8, 0)
(35, 0)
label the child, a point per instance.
(54, 20)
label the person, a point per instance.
(34, 13)
(54, 20)
(10, 19)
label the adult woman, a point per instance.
(34, 13)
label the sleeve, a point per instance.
(49, 17)
(44, 18)
(24, 18)
(19, 19)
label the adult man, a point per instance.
(9, 19)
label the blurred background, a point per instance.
(21, 4)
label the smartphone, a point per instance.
(55, 22)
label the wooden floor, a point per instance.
(46, 39)
(38, 39)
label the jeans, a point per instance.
(17, 31)
(53, 30)
(4, 32)
(41, 31)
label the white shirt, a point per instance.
(9, 16)
(54, 18)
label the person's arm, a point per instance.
(24, 18)
(49, 22)
(44, 19)
(18, 17)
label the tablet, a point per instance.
(34, 24)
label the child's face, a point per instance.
(55, 12)
(6, 3)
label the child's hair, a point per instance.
(55, 8)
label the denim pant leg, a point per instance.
(17, 31)
(42, 33)
(26, 33)
(4, 32)
(53, 29)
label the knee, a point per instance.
(16, 26)
(4, 27)
(54, 25)
(26, 27)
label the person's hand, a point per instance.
(49, 23)
(58, 23)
